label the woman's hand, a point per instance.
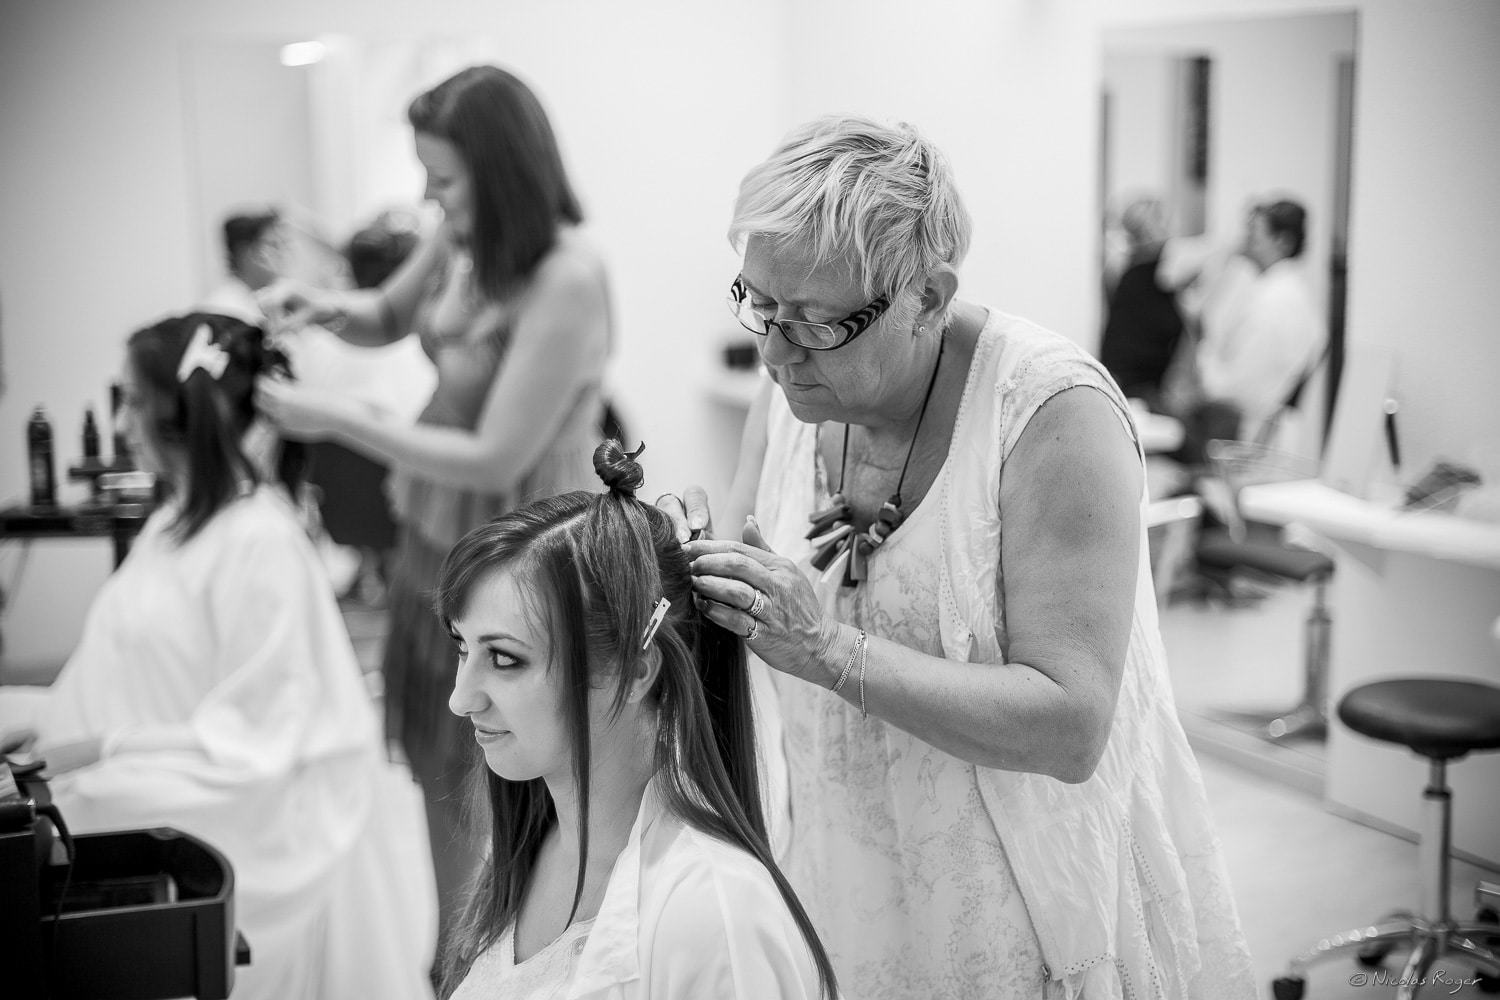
(64, 757)
(788, 628)
(18, 741)
(689, 513)
(290, 305)
(300, 412)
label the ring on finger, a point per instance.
(756, 605)
(754, 631)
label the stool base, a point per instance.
(1424, 941)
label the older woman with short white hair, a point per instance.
(990, 793)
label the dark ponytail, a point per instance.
(200, 419)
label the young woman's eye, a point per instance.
(502, 660)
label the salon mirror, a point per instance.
(1211, 116)
(315, 126)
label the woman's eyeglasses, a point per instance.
(809, 336)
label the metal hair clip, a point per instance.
(657, 617)
(203, 353)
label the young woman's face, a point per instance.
(448, 183)
(134, 421)
(508, 686)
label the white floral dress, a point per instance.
(931, 877)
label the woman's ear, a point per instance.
(937, 294)
(644, 674)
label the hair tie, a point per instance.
(203, 353)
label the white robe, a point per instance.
(220, 676)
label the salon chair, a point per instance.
(1442, 720)
(1230, 547)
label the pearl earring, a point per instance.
(921, 329)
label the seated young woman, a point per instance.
(628, 855)
(214, 690)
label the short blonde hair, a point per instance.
(847, 184)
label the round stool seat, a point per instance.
(1440, 719)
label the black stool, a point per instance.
(1441, 720)
(1243, 545)
(1258, 548)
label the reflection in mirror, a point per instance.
(1200, 122)
(320, 132)
(1212, 117)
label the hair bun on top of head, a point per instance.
(618, 468)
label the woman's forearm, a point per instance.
(453, 456)
(367, 319)
(1008, 716)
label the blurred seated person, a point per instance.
(1262, 333)
(214, 690)
(1145, 324)
(254, 254)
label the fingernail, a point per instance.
(682, 537)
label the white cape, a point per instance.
(220, 675)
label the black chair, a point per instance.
(1442, 720)
(1232, 545)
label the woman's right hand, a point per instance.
(291, 305)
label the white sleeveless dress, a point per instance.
(930, 876)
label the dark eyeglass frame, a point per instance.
(843, 332)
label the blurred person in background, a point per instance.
(510, 301)
(1144, 325)
(1262, 343)
(255, 245)
(214, 690)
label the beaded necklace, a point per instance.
(833, 536)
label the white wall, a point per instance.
(1142, 148)
(1009, 91)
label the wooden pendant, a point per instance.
(827, 547)
(887, 520)
(839, 550)
(859, 561)
(837, 511)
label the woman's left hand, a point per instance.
(301, 412)
(788, 628)
(64, 757)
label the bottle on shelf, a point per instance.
(43, 471)
(122, 460)
(90, 435)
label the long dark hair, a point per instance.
(201, 420)
(521, 190)
(598, 562)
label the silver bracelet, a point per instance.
(859, 643)
(864, 652)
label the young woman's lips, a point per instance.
(484, 735)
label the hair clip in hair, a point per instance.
(203, 353)
(657, 617)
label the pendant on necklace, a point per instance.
(833, 537)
